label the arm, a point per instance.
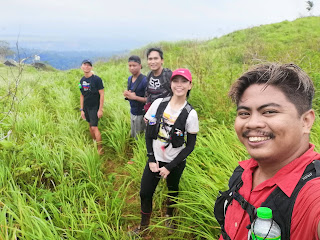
(191, 142)
(100, 111)
(319, 230)
(153, 164)
(132, 96)
(81, 107)
(141, 99)
(150, 153)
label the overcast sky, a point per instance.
(127, 24)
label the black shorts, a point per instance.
(91, 115)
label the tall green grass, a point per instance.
(53, 183)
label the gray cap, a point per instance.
(87, 61)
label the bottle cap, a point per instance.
(264, 212)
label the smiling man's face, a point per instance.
(269, 125)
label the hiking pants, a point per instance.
(150, 181)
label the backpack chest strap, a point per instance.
(249, 208)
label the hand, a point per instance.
(154, 167)
(125, 93)
(164, 172)
(100, 113)
(83, 115)
(130, 95)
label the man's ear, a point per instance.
(308, 119)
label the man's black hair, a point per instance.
(155, 49)
(289, 78)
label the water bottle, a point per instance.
(153, 120)
(264, 227)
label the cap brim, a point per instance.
(182, 75)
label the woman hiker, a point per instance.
(169, 120)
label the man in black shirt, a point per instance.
(158, 79)
(91, 101)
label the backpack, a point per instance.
(166, 86)
(176, 134)
(136, 83)
(278, 201)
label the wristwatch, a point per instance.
(81, 109)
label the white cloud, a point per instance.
(141, 21)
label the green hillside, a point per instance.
(53, 183)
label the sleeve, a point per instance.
(147, 95)
(100, 83)
(306, 212)
(150, 153)
(191, 142)
(192, 125)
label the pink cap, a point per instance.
(184, 72)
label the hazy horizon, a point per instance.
(124, 25)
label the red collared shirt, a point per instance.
(306, 212)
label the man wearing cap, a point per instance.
(135, 92)
(91, 100)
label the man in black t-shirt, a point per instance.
(91, 100)
(158, 79)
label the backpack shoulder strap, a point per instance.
(188, 107)
(137, 82)
(235, 183)
(167, 73)
(162, 107)
(146, 92)
(236, 177)
(148, 76)
(316, 164)
(225, 198)
(282, 205)
(129, 82)
(181, 121)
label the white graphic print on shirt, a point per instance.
(85, 86)
(165, 126)
(154, 83)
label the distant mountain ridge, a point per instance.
(63, 60)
